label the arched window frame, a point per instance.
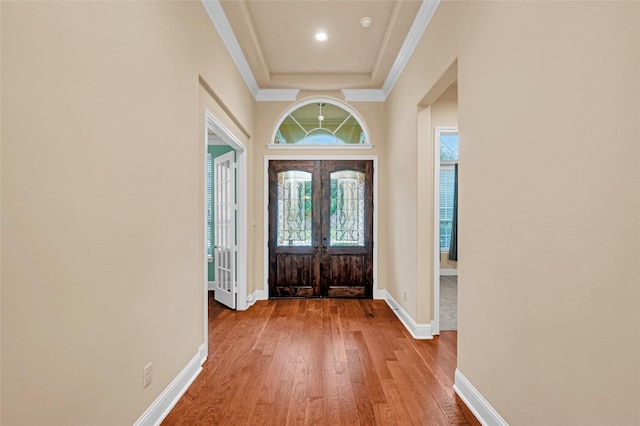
(335, 102)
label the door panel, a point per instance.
(225, 226)
(294, 258)
(321, 228)
(347, 235)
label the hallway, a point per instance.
(321, 361)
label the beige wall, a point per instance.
(267, 116)
(102, 201)
(547, 91)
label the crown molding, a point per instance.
(276, 95)
(423, 18)
(222, 25)
(421, 22)
(364, 95)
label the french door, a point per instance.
(225, 229)
(321, 228)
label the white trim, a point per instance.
(364, 95)
(479, 406)
(211, 285)
(163, 404)
(418, 331)
(221, 23)
(265, 193)
(277, 95)
(419, 26)
(316, 147)
(436, 234)
(448, 272)
(257, 295)
(205, 233)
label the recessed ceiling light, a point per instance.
(320, 36)
(366, 22)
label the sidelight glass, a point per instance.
(294, 208)
(347, 208)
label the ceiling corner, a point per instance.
(421, 22)
(221, 24)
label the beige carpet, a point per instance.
(448, 303)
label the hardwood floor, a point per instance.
(324, 362)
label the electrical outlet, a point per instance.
(405, 295)
(146, 378)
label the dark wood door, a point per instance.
(321, 228)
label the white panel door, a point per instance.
(224, 229)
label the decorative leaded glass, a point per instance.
(294, 208)
(347, 208)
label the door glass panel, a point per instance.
(347, 208)
(294, 208)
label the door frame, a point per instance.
(435, 327)
(265, 190)
(214, 125)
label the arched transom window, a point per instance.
(320, 122)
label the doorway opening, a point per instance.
(445, 190)
(437, 118)
(225, 200)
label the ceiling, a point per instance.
(275, 40)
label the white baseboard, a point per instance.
(449, 272)
(170, 396)
(256, 295)
(479, 406)
(380, 295)
(211, 285)
(418, 331)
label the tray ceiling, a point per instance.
(277, 41)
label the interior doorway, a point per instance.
(320, 221)
(446, 149)
(225, 218)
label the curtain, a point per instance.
(453, 246)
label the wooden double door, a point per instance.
(321, 228)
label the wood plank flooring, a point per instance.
(321, 362)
